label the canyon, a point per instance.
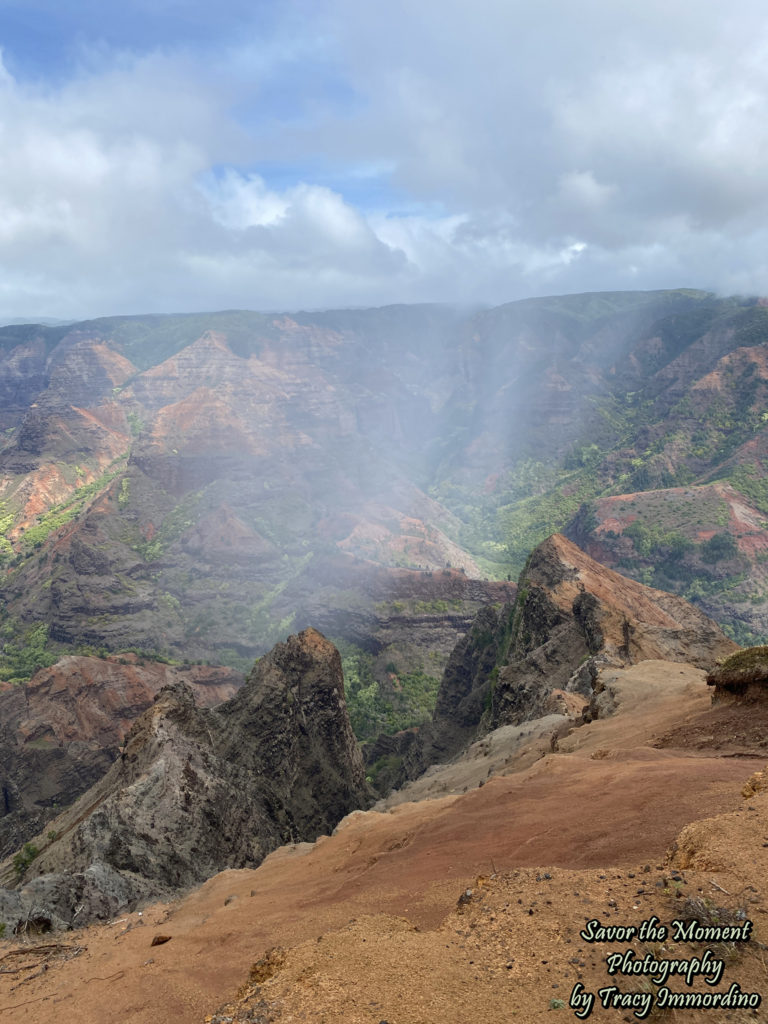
(200, 485)
(376, 630)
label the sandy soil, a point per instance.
(369, 917)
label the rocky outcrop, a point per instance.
(198, 790)
(542, 656)
(572, 612)
(60, 733)
(742, 678)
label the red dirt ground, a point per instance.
(377, 901)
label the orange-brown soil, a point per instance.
(724, 728)
(369, 918)
(95, 701)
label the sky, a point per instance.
(170, 156)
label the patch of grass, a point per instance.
(135, 422)
(125, 493)
(710, 914)
(173, 526)
(742, 668)
(748, 660)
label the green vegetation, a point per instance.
(747, 660)
(530, 521)
(419, 696)
(24, 858)
(24, 652)
(125, 493)
(232, 658)
(407, 699)
(752, 482)
(175, 523)
(748, 666)
(6, 522)
(48, 522)
(495, 527)
(135, 422)
(652, 541)
(383, 773)
(58, 515)
(163, 658)
(718, 548)
(414, 607)
(367, 708)
(169, 603)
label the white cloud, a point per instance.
(479, 153)
(239, 202)
(582, 189)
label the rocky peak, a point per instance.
(542, 655)
(571, 609)
(62, 731)
(294, 699)
(304, 664)
(198, 790)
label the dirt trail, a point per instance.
(605, 805)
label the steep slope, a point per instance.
(462, 704)
(706, 542)
(196, 790)
(677, 404)
(225, 478)
(541, 657)
(573, 614)
(61, 732)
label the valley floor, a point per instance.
(370, 920)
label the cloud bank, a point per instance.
(338, 153)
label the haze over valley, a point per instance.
(199, 486)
